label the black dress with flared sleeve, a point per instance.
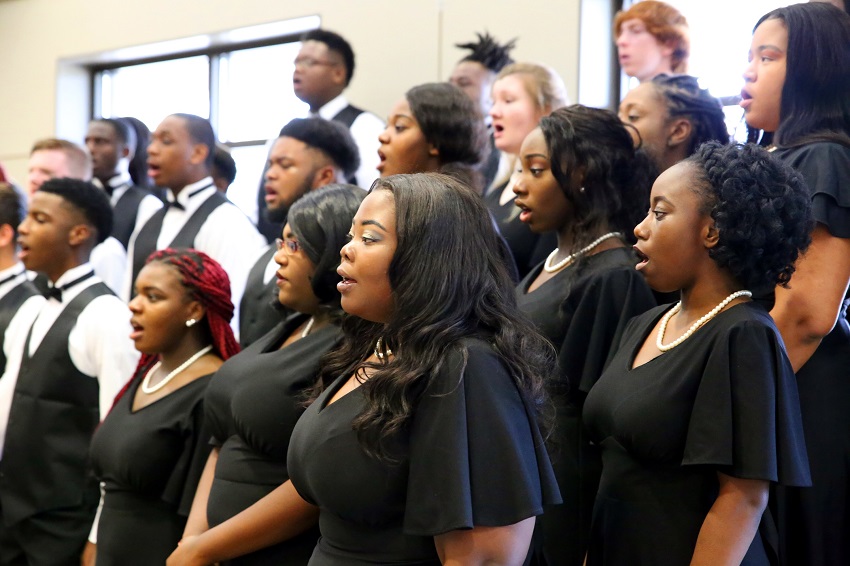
(149, 461)
(814, 522)
(582, 311)
(471, 456)
(724, 400)
(252, 405)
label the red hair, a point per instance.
(206, 282)
(666, 24)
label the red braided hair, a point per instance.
(207, 282)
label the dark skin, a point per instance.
(676, 238)
(55, 236)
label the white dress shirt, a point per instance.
(18, 326)
(99, 343)
(365, 130)
(119, 184)
(227, 236)
(109, 260)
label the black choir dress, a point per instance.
(724, 400)
(252, 405)
(472, 456)
(582, 311)
(527, 247)
(150, 461)
(815, 521)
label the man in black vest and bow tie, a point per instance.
(197, 215)
(112, 144)
(74, 359)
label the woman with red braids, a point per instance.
(150, 450)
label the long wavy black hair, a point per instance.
(815, 103)
(605, 179)
(448, 283)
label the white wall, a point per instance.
(398, 43)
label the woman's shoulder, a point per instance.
(822, 154)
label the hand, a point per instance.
(89, 554)
(186, 553)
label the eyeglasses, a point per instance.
(292, 246)
(309, 62)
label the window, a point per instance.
(720, 33)
(244, 88)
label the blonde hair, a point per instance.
(542, 83)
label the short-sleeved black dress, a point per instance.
(252, 405)
(582, 310)
(150, 461)
(724, 400)
(814, 522)
(473, 456)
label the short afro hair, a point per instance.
(761, 208)
(88, 199)
(329, 137)
(336, 43)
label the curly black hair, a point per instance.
(761, 208)
(88, 199)
(489, 52)
(612, 191)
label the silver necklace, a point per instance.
(146, 382)
(380, 352)
(695, 326)
(308, 327)
(547, 265)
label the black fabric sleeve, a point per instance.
(599, 315)
(826, 170)
(746, 415)
(476, 455)
(183, 481)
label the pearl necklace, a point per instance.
(308, 327)
(572, 257)
(146, 383)
(380, 352)
(696, 326)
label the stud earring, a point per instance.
(190, 323)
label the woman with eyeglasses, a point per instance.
(254, 400)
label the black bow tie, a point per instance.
(174, 204)
(56, 292)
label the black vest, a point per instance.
(53, 416)
(125, 212)
(146, 239)
(257, 311)
(9, 305)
